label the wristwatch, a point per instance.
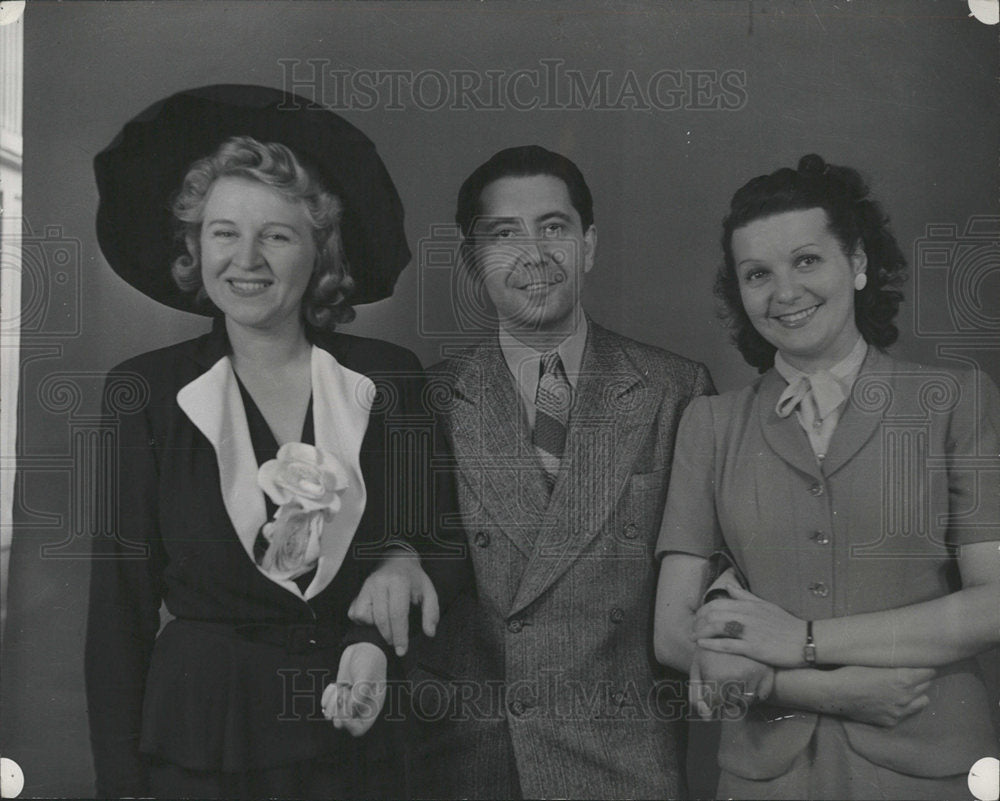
(809, 650)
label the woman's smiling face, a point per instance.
(797, 286)
(257, 253)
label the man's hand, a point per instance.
(355, 701)
(385, 599)
(879, 696)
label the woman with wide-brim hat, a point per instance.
(257, 466)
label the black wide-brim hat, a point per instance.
(139, 173)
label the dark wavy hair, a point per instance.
(326, 299)
(855, 219)
(520, 162)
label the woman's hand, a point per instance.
(355, 701)
(748, 626)
(385, 599)
(879, 696)
(720, 679)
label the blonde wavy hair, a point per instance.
(325, 303)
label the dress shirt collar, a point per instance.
(523, 361)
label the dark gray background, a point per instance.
(903, 89)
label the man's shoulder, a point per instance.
(657, 364)
(465, 359)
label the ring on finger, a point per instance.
(734, 629)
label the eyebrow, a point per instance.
(489, 220)
(267, 224)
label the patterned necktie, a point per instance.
(552, 403)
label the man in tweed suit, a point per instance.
(541, 680)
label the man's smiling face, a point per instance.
(531, 252)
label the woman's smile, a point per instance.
(249, 287)
(797, 319)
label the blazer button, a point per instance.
(617, 697)
(514, 626)
(821, 538)
(516, 708)
(482, 539)
(819, 589)
(617, 615)
(631, 531)
(816, 490)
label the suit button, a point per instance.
(482, 539)
(819, 589)
(617, 697)
(816, 490)
(821, 538)
(631, 531)
(516, 708)
(617, 615)
(514, 626)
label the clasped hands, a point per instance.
(746, 625)
(741, 641)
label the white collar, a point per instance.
(342, 401)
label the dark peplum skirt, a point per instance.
(217, 701)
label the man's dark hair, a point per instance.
(520, 162)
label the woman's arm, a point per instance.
(123, 615)
(878, 696)
(927, 634)
(678, 596)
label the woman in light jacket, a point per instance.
(857, 497)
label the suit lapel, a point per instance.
(861, 418)
(492, 446)
(611, 415)
(856, 426)
(342, 401)
(784, 435)
(213, 403)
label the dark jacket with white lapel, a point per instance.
(174, 541)
(551, 661)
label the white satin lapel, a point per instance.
(213, 403)
(342, 400)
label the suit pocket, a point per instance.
(646, 482)
(641, 511)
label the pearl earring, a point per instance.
(860, 281)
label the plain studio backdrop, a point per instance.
(667, 109)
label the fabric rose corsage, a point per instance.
(306, 484)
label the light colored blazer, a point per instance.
(912, 471)
(550, 661)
